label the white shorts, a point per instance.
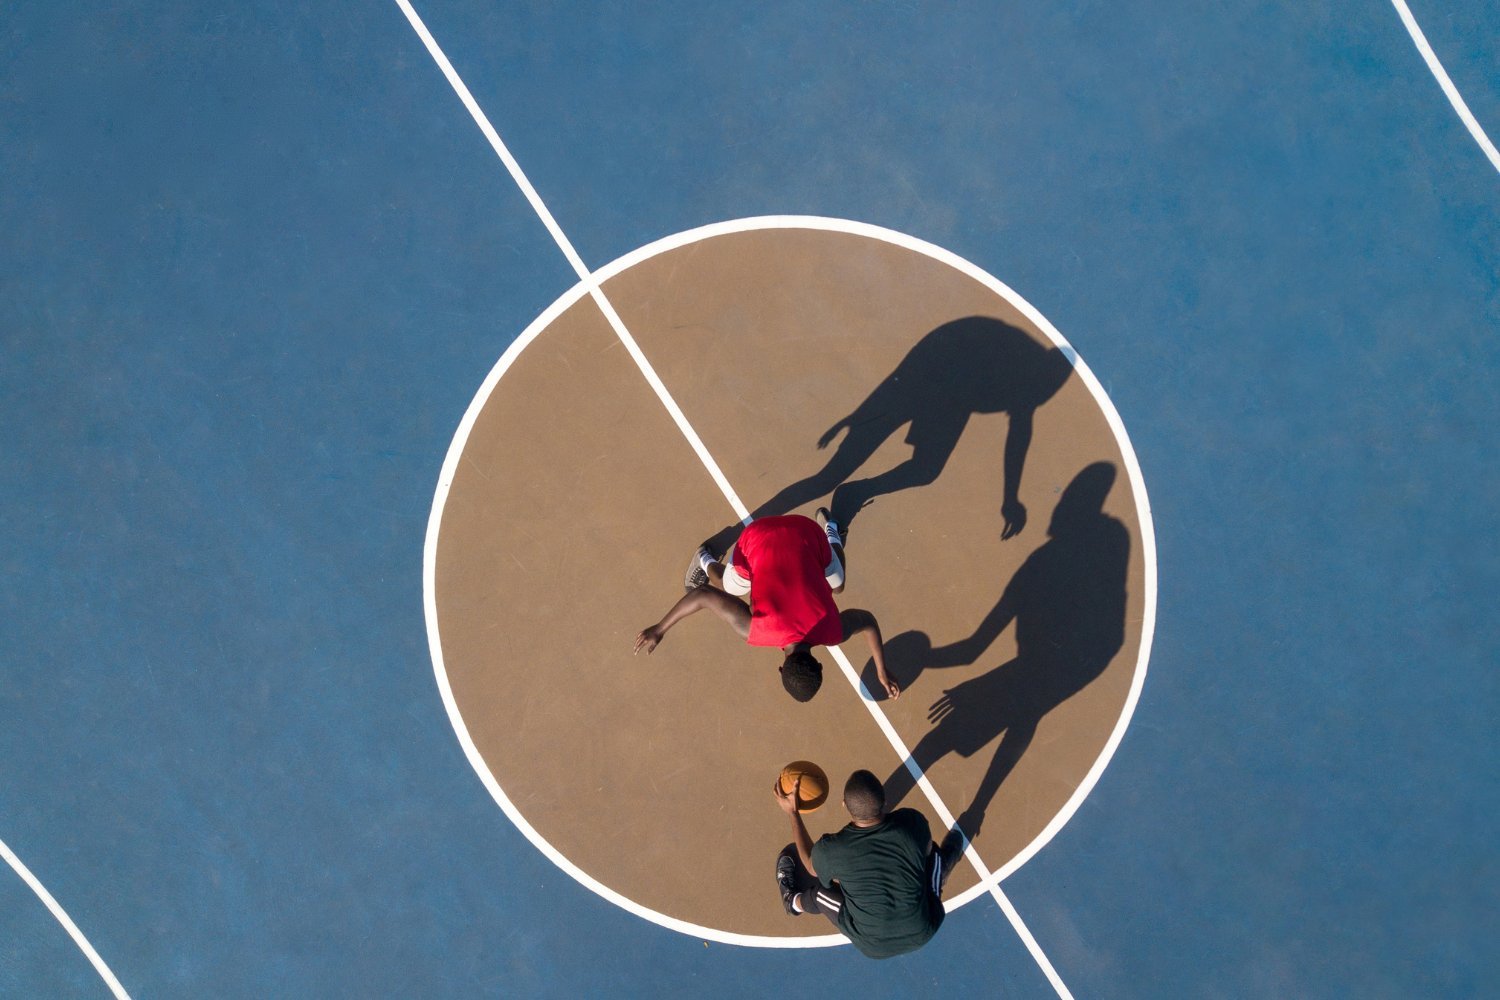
(739, 586)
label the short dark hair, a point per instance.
(863, 796)
(801, 674)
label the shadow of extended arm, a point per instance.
(1017, 441)
(966, 651)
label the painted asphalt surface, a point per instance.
(255, 264)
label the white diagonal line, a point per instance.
(494, 137)
(65, 920)
(566, 245)
(660, 388)
(712, 466)
(897, 744)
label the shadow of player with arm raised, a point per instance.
(1067, 602)
(973, 365)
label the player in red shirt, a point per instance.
(790, 567)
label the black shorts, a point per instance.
(811, 894)
(814, 897)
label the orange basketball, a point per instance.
(814, 790)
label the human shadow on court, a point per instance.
(1068, 605)
(973, 365)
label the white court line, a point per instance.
(445, 690)
(65, 920)
(1006, 906)
(1454, 98)
(591, 284)
(1084, 373)
(597, 293)
(564, 244)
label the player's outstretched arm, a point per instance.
(857, 621)
(733, 610)
(788, 803)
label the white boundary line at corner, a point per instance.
(65, 920)
(1441, 75)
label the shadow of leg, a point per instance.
(851, 453)
(933, 437)
(1018, 737)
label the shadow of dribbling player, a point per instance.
(966, 366)
(1068, 604)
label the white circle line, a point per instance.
(1106, 405)
(583, 288)
(445, 689)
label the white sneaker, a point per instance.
(696, 575)
(825, 520)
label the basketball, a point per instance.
(814, 790)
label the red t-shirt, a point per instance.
(790, 600)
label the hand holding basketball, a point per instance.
(787, 800)
(802, 787)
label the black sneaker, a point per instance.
(951, 850)
(786, 881)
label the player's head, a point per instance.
(801, 674)
(863, 796)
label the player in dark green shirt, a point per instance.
(879, 879)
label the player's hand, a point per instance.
(787, 802)
(891, 687)
(648, 639)
(1014, 513)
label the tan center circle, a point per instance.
(576, 503)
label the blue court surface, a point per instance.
(256, 260)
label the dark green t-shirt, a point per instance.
(889, 908)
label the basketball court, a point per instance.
(372, 374)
